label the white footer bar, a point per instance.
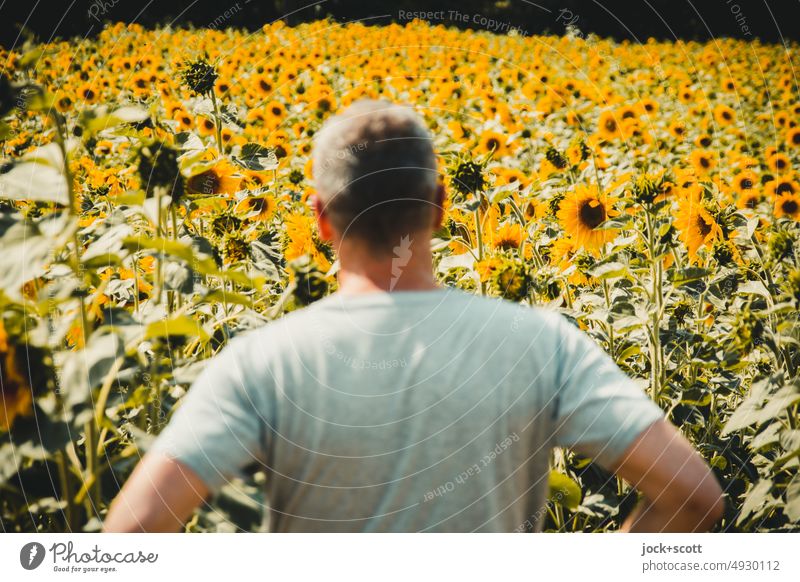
(401, 557)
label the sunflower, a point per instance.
(88, 94)
(695, 223)
(581, 212)
(263, 85)
(745, 181)
(748, 199)
(786, 185)
(793, 137)
(788, 205)
(608, 127)
(508, 236)
(220, 179)
(703, 140)
(778, 162)
(724, 115)
(302, 240)
(677, 129)
(16, 394)
(703, 161)
(258, 208)
(206, 126)
(491, 141)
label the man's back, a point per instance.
(406, 411)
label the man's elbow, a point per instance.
(706, 504)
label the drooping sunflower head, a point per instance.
(8, 95)
(158, 167)
(308, 281)
(26, 371)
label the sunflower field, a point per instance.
(154, 191)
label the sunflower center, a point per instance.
(746, 184)
(785, 188)
(208, 182)
(789, 207)
(796, 138)
(493, 143)
(703, 226)
(705, 162)
(592, 213)
(611, 125)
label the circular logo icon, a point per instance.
(31, 555)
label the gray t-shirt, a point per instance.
(405, 411)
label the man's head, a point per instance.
(376, 177)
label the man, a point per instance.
(398, 405)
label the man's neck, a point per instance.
(409, 268)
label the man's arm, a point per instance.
(160, 496)
(680, 491)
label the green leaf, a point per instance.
(612, 270)
(25, 254)
(34, 181)
(87, 368)
(757, 500)
(682, 276)
(755, 288)
(170, 247)
(761, 406)
(257, 158)
(99, 119)
(564, 490)
(465, 260)
(792, 509)
(182, 325)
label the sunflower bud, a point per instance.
(235, 249)
(468, 177)
(781, 245)
(556, 158)
(199, 76)
(792, 286)
(9, 95)
(310, 284)
(158, 166)
(645, 189)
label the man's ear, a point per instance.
(438, 202)
(323, 221)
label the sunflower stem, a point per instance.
(479, 237)
(217, 121)
(66, 490)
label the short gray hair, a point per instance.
(375, 172)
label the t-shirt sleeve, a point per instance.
(218, 428)
(599, 410)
